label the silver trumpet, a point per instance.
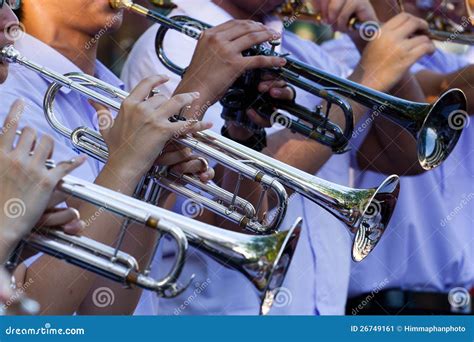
(432, 125)
(85, 140)
(262, 259)
(366, 212)
(102, 259)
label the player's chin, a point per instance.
(3, 72)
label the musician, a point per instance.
(322, 256)
(27, 186)
(428, 250)
(27, 196)
(135, 138)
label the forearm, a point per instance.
(389, 148)
(71, 283)
(8, 241)
(140, 242)
(434, 84)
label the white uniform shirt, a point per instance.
(318, 276)
(428, 244)
(70, 108)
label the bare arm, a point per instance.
(138, 135)
(434, 84)
(388, 148)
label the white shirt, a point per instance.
(70, 108)
(428, 245)
(318, 276)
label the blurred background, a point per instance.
(114, 47)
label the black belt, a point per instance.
(399, 302)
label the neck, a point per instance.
(237, 12)
(74, 45)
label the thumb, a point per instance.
(105, 119)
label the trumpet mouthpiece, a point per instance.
(9, 54)
(120, 4)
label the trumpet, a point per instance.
(226, 204)
(366, 212)
(263, 260)
(104, 260)
(430, 124)
(449, 20)
(313, 124)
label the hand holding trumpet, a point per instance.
(27, 195)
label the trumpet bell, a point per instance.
(376, 215)
(268, 280)
(441, 128)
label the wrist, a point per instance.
(361, 77)
(122, 177)
(199, 106)
(257, 141)
(9, 240)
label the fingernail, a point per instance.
(163, 77)
(72, 225)
(276, 92)
(275, 34)
(196, 95)
(282, 61)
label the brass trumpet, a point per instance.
(430, 125)
(313, 124)
(264, 260)
(365, 211)
(449, 20)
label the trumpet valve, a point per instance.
(274, 44)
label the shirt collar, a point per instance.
(44, 55)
